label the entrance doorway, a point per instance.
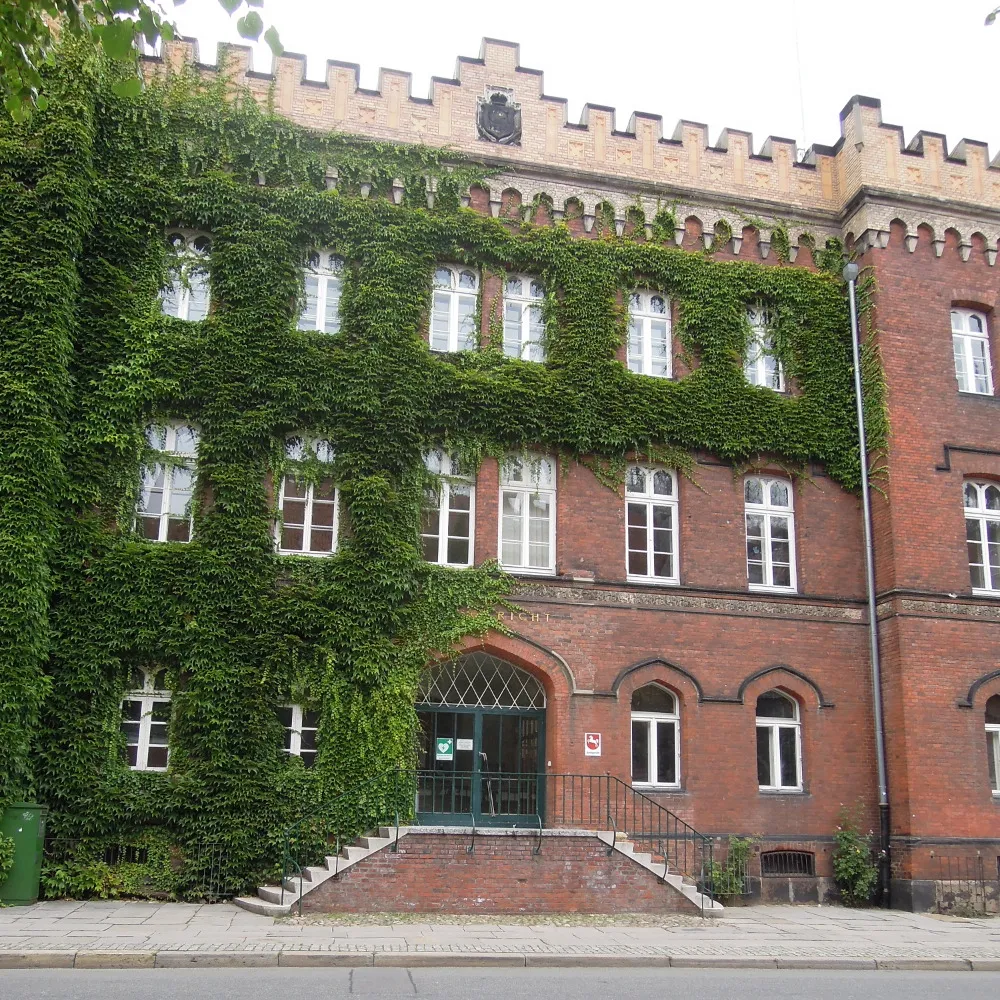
(482, 731)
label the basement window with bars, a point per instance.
(790, 864)
(982, 534)
(453, 309)
(993, 743)
(164, 513)
(323, 284)
(300, 726)
(448, 514)
(971, 346)
(779, 743)
(146, 721)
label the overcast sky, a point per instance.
(772, 67)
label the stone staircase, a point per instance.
(708, 906)
(271, 901)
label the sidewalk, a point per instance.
(135, 934)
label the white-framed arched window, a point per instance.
(649, 334)
(164, 512)
(779, 742)
(308, 509)
(453, 309)
(770, 528)
(300, 726)
(651, 529)
(528, 514)
(971, 344)
(523, 318)
(656, 746)
(982, 534)
(324, 276)
(993, 741)
(146, 721)
(447, 519)
(761, 365)
(187, 294)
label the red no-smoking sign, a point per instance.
(592, 744)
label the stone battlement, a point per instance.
(856, 187)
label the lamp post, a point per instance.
(851, 276)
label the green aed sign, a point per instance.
(444, 748)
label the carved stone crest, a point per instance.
(499, 118)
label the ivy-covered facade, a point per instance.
(221, 388)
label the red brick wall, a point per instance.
(435, 873)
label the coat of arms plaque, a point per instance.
(499, 118)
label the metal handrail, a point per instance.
(614, 833)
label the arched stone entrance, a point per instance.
(482, 732)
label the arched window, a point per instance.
(146, 721)
(164, 513)
(651, 525)
(523, 319)
(323, 284)
(655, 738)
(187, 294)
(649, 334)
(453, 309)
(993, 741)
(448, 512)
(761, 365)
(982, 533)
(528, 514)
(770, 534)
(971, 345)
(779, 743)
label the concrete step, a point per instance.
(256, 905)
(273, 894)
(376, 843)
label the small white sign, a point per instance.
(461, 744)
(592, 744)
(444, 749)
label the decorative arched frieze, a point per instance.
(969, 700)
(505, 645)
(661, 664)
(784, 668)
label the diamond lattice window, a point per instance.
(478, 680)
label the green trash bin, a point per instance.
(24, 823)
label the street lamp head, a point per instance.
(851, 272)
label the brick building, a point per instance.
(704, 636)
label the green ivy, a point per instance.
(87, 188)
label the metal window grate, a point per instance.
(479, 680)
(788, 863)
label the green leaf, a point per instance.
(230, 6)
(250, 26)
(273, 41)
(117, 38)
(42, 102)
(128, 88)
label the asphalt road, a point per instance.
(492, 984)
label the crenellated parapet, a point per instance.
(854, 189)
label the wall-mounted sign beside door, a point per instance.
(444, 748)
(592, 744)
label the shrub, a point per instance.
(854, 866)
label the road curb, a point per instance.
(289, 958)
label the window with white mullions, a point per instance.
(649, 334)
(762, 366)
(448, 513)
(309, 510)
(523, 319)
(655, 738)
(651, 525)
(323, 284)
(164, 513)
(527, 507)
(187, 295)
(971, 345)
(982, 533)
(453, 309)
(779, 743)
(300, 726)
(146, 721)
(993, 741)
(770, 534)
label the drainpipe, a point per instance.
(851, 277)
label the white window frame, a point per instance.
(295, 731)
(760, 349)
(963, 339)
(189, 275)
(773, 726)
(993, 733)
(454, 293)
(526, 489)
(169, 490)
(649, 500)
(295, 448)
(642, 315)
(327, 268)
(983, 518)
(530, 309)
(147, 695)
(441, 464)
(656, 719)
(769, 511)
